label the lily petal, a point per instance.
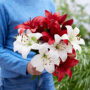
(69, 48)
(69, 30)
(76, 31)
(38, 63)
(37, 35)
(77, 47)
(57, 38)
(65, 36)
(63, 55)
(50, 67)
(25, 51)
(81, 41)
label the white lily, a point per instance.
(21, 48)
(61, 48)
(36, 35)
(74, 39)
(46, 59)
(24, 43)
(30, 38)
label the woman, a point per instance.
(16, 72)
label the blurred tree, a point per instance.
(77, 12)
(81, 73)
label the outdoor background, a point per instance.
(79, 10)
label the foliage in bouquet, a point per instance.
(55, 40)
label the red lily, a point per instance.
(38, 24)
(24, 26)
(56, 16)
(57, 19)
(68, 22)
(56, 24)
(34, 25)
(48, 38)
(73, 54)
(65, 68)
(52, 22)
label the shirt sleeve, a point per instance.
(8, 59)
(52, 6)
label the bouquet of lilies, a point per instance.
(54, 39)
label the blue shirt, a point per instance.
(12, 13)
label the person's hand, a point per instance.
(32, 70)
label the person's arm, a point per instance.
(8, 59)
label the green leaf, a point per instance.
(34, 39)
(35, 76)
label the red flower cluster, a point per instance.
(49, 25)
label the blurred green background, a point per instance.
(81, 73)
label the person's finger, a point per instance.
(37, 73)
(34, 68)
(34, 71)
